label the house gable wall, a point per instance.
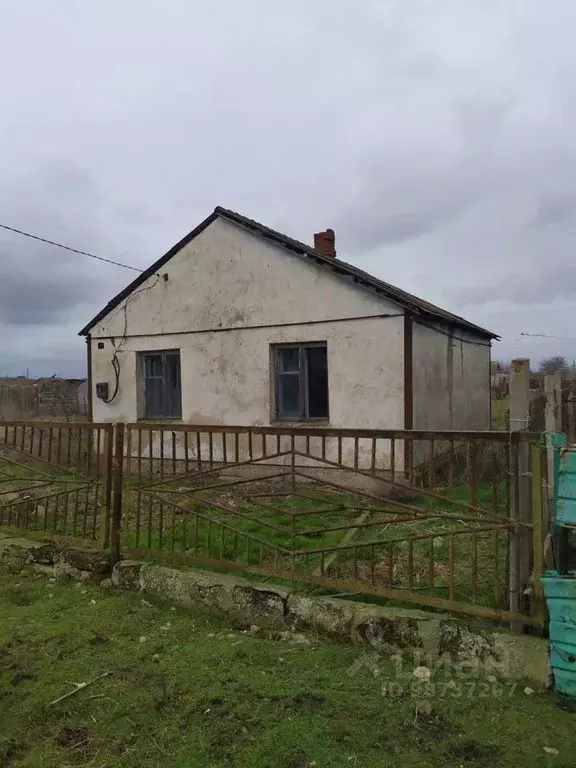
(226, 277)
(229, 295)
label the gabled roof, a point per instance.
(414, 305)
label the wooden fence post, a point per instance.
(116, 521)
(519, 539)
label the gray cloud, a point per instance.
(436, 139)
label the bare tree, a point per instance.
(554, 364)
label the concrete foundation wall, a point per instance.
(414, 637)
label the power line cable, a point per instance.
(137, 269)
(538, 336)
(68, 248)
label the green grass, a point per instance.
(190, 691)
(500, 413)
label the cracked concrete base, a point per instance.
(414, 637)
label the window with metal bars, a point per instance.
(301, 381)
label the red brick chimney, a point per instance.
(325, 243)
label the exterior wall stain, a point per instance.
(451, 375)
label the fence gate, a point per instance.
(434, 519)
(55, 479)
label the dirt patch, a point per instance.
(432, 726)
(477, 754)
(98, 640)
(22, 677)
(17, 596)
(10, 749)
(298, 759)
(72, 738)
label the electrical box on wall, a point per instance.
(102, 390)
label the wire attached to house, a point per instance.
(118, 347)
(68, 248)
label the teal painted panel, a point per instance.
(556, 586)
(560, 594)
(565, 469)
(564, 682)
(563, 631)
(563, 656)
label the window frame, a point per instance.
(164, 354)
(302, 383)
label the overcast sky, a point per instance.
(437, 137)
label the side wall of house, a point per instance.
(222, 301)
(451, 379)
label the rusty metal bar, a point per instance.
(451, 567)
(186, 466)
(199, 450)
(224, 448)
(473, 472)
(173, 453)
(107, 505)
(501, 436)
(40, 436)
(116, 516)
(410, 564)
(474, 568)
(496, 562)
(407, 487)
(205, 472)
(184, 532)
(173, 529)
(431, 563)
(431, 465)
(451, 464)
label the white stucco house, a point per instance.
(240, 325)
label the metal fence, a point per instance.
(56, 478)
(447, 520)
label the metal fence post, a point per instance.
(107, 450)
(116, 519)
(520, 507)
(538, 532)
